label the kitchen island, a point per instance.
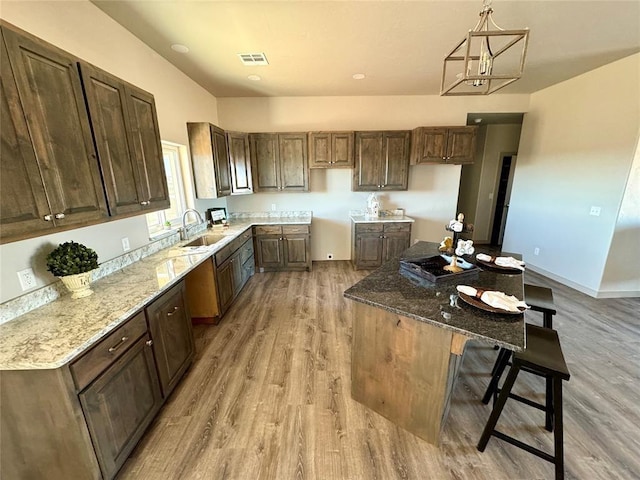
(409, 338)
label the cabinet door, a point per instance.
(173, 345)
(221, 161)
(395, 244)
(431, 145)
(297, 251)
(342, 149)
(148, 149)
(395, 165)
(294, 165)
(320, 150)
(240, 163)
(264, 162)
(369, 250)
(224, 281)
(107, 102)
(236, 273)
(270, 252)
(50, 91)
(461, 145)
(120, 404)
(369, 161)
(24, 202)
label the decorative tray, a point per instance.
(432, 268)
(492, 265)
(487, 308)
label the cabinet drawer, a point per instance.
(295, 229)
(246, 251)
(397, 227)
(96, 360)
(223, 254)
(369, 227)
(268, 230)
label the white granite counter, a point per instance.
(386, 218)
(54, 334)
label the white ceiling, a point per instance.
(315, 47)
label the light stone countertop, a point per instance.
(54, 334)
(383, 219)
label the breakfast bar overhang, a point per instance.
(409, 337)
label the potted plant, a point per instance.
(73, 262)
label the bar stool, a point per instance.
(543, 356)
(540, 299)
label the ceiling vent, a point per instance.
(252, 59)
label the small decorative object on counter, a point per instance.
(457, 226)
(373, 206)
(73, 263)
(465, 247)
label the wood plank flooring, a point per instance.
(268, 397)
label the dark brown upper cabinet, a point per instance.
(49, 89)
(279, 162)
(382, 161)
(330, 149)
(210, 160)
(454, 145)
(240, 163)
(128, 142)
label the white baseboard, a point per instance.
(582, 288)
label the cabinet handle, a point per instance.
(149, 343)
(175, 309)
(118, 345)
(48, 218)
(59, 215)
(145, 202)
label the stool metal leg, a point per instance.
(558, 434)
(497, 409)
(547, 320)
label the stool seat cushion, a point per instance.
(543, 352)
(540, 299)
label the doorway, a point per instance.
(505, 182)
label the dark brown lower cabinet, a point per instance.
(375, 243)
(235, 267)
(170, 328)
(119, 405)
(83, 419)
(283, 247)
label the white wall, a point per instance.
(83, 30)
(578, 143)
(433, 189)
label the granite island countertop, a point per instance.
(439, 304)
(54, 334)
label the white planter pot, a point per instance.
(79, 284)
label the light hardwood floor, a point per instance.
(268, 397)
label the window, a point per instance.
(172, 155)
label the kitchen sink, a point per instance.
(205, 240)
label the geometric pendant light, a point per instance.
(485, 60)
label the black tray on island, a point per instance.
(432, 268)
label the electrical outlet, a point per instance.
(329, 256)
(273, 207)
(27, 279)
(536, 251)
(595, 211)
(125, 244)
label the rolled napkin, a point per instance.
(495, 299)
(509, 262)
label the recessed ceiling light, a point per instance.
(254, 78)
(180, 48)
(358, 76)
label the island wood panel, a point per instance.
(401, 369)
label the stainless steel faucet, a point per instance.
(183, 230)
